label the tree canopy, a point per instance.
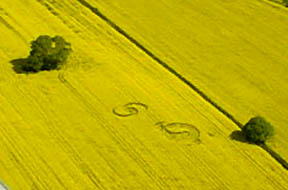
(47, 53)
(258, 130)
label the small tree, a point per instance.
(285, 2)
(258, 130)
(47, 54)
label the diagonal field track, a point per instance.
(59, 130)
(220, 51)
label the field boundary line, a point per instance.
(159, 61)
(278, 5)
(118, 29)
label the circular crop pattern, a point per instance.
(180, 132)
(129, 109)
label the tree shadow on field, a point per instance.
(239, 136)
(18, 66)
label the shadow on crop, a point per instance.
(239, 136)
(19, 66)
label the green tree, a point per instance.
(258, 130)
(47, 54)
(285, 2)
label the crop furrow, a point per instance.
(124, 144)
(118, 29)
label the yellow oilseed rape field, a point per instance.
(233, 51)
(114, 118)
